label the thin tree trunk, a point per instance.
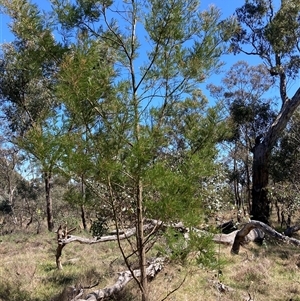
(248, 184)
(47, 179)
(11, 201)
(236, 182)
(83, 218)
(83, 196)
(140, 243)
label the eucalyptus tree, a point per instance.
(284, 170)
(27, 79)
(272, 34)
(133, 74)
(249, 113)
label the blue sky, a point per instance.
(227, 8)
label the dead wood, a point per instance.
(64, 238)
(255, 235)
(124, 277)
(220, 287)
(291, 230)
(241, 234)
(62, 233)
(226, 239)
(227, 227)
(252, 231)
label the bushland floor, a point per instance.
(260, 273)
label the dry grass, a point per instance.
(28, 272)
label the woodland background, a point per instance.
(105, 128)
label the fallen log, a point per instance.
(155, 266)
(291, 230)
(227, 227)
(255, 235)
(64, 238)
(241, 234)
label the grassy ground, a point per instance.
(28, 272)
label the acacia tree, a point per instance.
(149, 138)
(132, 118)
(249, 115)
(273, 35)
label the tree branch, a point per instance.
(289, 107)
(63, 238)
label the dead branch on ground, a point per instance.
(155, 266)
(64, 238)
(241, 234)
(254, 235)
